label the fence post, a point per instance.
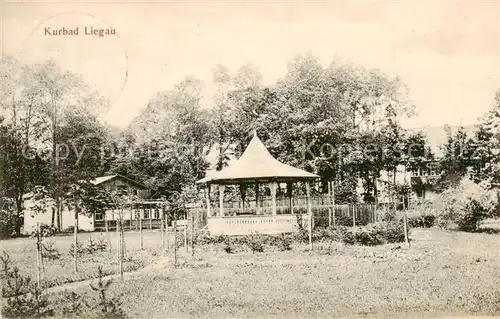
(405, 221)
(309, 213)
(175, 241)
(333, 205)
(353, 217)
(192, 234)
(107, 231)
(118, 241)
(167, 231)
(140, 229)
(330, 208)
(151, 219)
(38, 255)
(131, 218)
(122, 242)
(185, 238)
(162, 229)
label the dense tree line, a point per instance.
(341, 122)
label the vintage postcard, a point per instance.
(239, 159)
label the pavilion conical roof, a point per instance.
(257, 164)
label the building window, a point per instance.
(99, 216)
(146, 214)
(122, 189)
(157, 214)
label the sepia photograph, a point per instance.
(239, 159)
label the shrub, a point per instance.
(285, 243)
(49, 251)
(343, 220)
(373, 234)
(24, 299)
(228, 248)
(390, 232)
(424, 221)
(100, 306)
(7, 224)
(474, 215)
(96, 245)
(255, 243)
(91, 247)
(301, 236)
(106, 307)
(71, 229)
(45, 231)
(465, 206)
(75, 305)
(80, 249)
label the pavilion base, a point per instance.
(259, 224)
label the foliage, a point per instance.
(228, 248)
(466, 205)
(285, 242)
(374, 234)
(75, 305)
(24, 298)
(476, 155)
(487, 137)
(106, 307)
(7, 224)
(50, 252)
(80, 249)
(457, 158)
(422, 220)
(171, 138)
(255, 243)
(21, 166)
(44, 232)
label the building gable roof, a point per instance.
(104, 179)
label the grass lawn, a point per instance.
(442, 273)
(22, 252)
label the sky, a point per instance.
(446, 52)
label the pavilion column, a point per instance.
(243, 193)
(289, 190)
(207, 199)
(257, 198)
(221, 200)
(309, 212)
(274, 186)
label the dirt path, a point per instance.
(126, 275)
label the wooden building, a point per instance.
(144, 212)
(255, 167)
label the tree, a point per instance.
(21, 132)
(85, 198)
(457, 158)
(59, 93)
(488, 140)
(171, 138)
(316, 118)
(221, 118)
(21, 168)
